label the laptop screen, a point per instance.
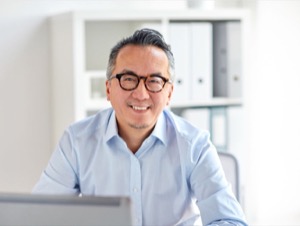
(54, 210)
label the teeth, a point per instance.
(139, 108)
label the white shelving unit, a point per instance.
(81, 42)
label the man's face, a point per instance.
(139, 108)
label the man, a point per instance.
(142, 150)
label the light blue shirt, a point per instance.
(176, 165)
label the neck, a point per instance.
(134, 137)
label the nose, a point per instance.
(141, 93)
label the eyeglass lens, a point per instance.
(152, 83)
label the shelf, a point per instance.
(82, 40)
(215, 102)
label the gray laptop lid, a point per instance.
(27, 209)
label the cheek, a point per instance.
(113, 92)
(117, 97)
(162, 101)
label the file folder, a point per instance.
(191, 43)
(201, 60)
(227, 59)
(180, 42)
(219, 128)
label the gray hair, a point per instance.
(143, 37)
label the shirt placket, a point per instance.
(135, 190)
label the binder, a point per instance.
(219, 128)
(179, 41)
(191, 43)
(234, 60)
(201, 56)
(227, 59)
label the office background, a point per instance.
(271, 96)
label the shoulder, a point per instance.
(91, 124)
(184, 129)
(191, 141)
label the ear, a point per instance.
(170, 92)
(108, 86)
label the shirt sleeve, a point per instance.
(60, 175)
(215, 199)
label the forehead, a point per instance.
(142, 60)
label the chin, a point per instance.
(139, 126)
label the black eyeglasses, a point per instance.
(129, 81)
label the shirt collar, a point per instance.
(159, 132)
(160, 129)
(112, 128)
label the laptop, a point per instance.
(54, 210)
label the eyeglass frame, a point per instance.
(139, 77)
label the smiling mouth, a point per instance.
(139, 108)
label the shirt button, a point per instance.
(135, 190)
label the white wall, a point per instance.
(24, 96)
(271, 94)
